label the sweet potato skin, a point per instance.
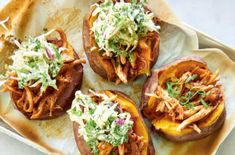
(93, 56)
(194, 135)
(65, 97)
(103, 66)
(151, 85)
(81, 144)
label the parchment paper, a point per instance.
(55, 136)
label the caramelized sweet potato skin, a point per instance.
(64, 94)
(166, 127)
(95, 59)
(81, 144)
(139, 127)
(193, 135)
(53, 102)
(103, 66)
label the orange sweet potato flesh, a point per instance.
(147, 49)
(53, 102)
(139, 128)
(165, 126)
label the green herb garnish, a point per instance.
(189, 96)
(173, 90)
(203, 103)
(170, 87)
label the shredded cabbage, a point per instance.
(36, 61)
(119, 26)
(100, 122)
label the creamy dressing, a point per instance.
(100, 122)
(120, 25)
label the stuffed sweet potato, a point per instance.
(121, 39)
(184, 100)
(108, 122)
(44, 76)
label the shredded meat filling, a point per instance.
(31, 102)
(140, 62)
(188, 98)
(134, 146)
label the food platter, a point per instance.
(49, 137)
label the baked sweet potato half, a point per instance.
(184, 100)
(121, 39)
(108, 122)
(44, 76)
